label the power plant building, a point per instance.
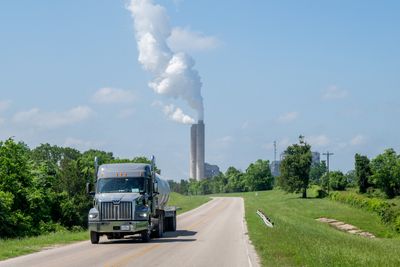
(316, 158)
(197, 151)
(211, 170)
(275, 168)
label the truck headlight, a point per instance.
(93, 214)
(141, 212)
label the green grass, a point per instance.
(16, 247)
(186, 202)
(299, 240)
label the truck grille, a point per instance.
(121, 211)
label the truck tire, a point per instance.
(94, 237)
(160, 226)
(173, 223)
(145, 235)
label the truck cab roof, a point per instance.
(124, 170)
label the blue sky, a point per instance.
(271, 70)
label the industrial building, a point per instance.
(197, 151)
(275, 168)
(316, 158)
(211, 170)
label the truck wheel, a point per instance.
(173, 223)
(94, 237)
(145, 235)
(160, 227)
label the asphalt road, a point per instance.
(211, 235)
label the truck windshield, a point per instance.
(120, 185)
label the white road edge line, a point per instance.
(247, 240)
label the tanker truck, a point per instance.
(129, 199)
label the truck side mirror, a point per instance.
(90, 193)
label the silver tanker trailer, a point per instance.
(130, 198)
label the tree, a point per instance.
(47, 153)
(235, 180)
(295, 168)
(15, 172)
(351, 178)
(386, 172)
(258, 176)
(363, 171)
(16, 190)
(317, 171)
(337, 181)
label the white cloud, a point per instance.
(4, 104)
(358, 140)
(109, 95)
(318, 140)
(333, 92)
(185, 40)
(42, 119)
(288, 117)
(176, 114)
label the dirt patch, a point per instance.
(351, 229)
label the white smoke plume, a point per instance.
(174, 73)
(176, 114)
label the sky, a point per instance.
(270, 70)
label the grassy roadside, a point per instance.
(10, 248)
(186, 203)
(299, 240)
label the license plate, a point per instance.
(125, 227)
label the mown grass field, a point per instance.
(299, 240)
(16, 247)
(186, 203)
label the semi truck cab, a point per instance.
(129, 199)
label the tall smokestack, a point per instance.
(200, 151)
(193, 153)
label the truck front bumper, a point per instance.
(128, 227)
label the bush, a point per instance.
(337, 181)
(50, 227)
(397, 224)
(388, 213)
(321, 193)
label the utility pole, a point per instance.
(327, 154)
(274, 151)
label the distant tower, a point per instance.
(200, 151)
(275, 151)
(193, 149)
(197, 151)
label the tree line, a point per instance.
(257, 177)
(379, 175)
(44, 189)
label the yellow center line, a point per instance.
(146, 250)
(127, 258)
